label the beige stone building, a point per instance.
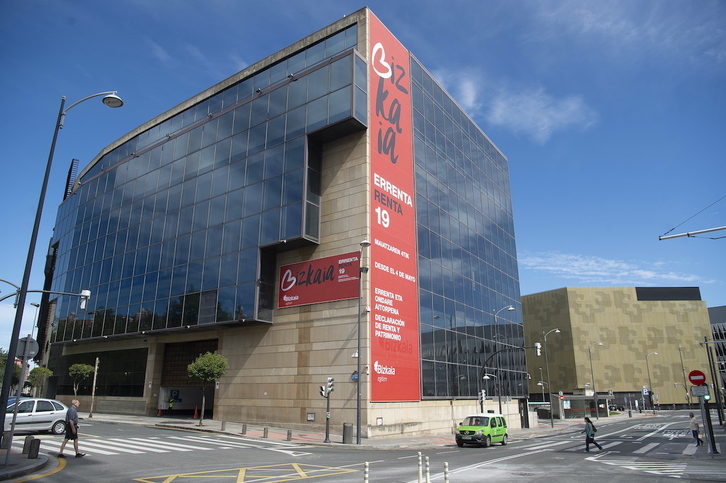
(623, 338)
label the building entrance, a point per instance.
(179, 395)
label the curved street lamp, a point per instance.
(111, 100)
(592, 375)
(508, 308)
(547, 365)
(650, 381)
(499, 388)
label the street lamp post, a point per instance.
(499, 388)
(363, 244)
(547, 366)
(650, 381)
(592, 375)
(683, 370)
(508, 308)
(111, 100)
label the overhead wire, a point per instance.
(695, 215)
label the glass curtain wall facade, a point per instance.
(466, 252)
(166, 229)
(178, 226)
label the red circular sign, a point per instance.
(697, 377)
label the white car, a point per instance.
(37, 415)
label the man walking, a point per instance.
(71, 430)
(695, 429)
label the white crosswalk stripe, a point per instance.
(238, 444)
(646, 448)
(107, 445)
(164, 444)
(116, 446)
(150, 446)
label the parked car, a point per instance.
(36, 414)
(482, 430)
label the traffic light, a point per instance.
(538, 348)
(330, 385)
(322, 391)
(706, 397)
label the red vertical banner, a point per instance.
(395, 363)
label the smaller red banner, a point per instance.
(322, 280)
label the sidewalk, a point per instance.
(20, 465)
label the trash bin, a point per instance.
(347, 433)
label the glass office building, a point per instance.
(185, 231)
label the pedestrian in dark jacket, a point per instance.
(590, 435)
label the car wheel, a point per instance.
(487, 441)
(504, 440)
(459, 444)
(59, 427)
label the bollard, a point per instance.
(446, 472)
(34, 449)
(26, 445)
(428, 471)
(264, 432)
(347, 433)
(630, 413)
(244, 428)
(420, 468)
(224, 425)
(6, 440)
(365, 472)
(289, 434)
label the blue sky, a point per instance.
(612, 114)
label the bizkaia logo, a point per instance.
(386, 109)
(382, 68)
(287, 281)
(309, 275)
(390, 371)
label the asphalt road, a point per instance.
(634, 450)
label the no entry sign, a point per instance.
(697, 378)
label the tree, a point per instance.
(206, 369)
(37, 378)
(79, 372)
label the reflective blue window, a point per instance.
(467, 258)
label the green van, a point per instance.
(482, 429)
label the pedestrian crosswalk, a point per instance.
(163, 444)
(624, 446)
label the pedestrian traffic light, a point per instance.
(330, 385)
(322, 391)
(538, 348)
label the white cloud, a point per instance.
(158, 51)
(539, 115)
(195, 53)
(577, 269)
(676, 31)
(529, 111)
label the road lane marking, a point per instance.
(646, 448)
(268, 473)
